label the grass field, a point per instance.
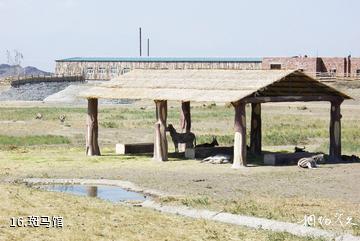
(15, 141)
(54, 149)
(283, 125)
(93, 219)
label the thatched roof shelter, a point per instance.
(209, 85)
(235, 86)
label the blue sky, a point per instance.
(45, 30)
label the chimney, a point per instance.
(140, 42)
(148, 47)
(349, 65)
(345, 67)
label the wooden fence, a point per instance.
(21, 80)
(334, 76)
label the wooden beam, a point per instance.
(240, 136)
(265, 99)
(160, 144)
(335, 132)
(255, 133)
(92, 146)
(291, 84)
(298, 88)
(278, 93)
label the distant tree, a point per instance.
(18, 57)
(15, 59)
(8, 57)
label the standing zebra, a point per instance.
(188, 138)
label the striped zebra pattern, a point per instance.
(310, 162)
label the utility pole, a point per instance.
(148, 47)
(140, 42)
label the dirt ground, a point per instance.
(283, 193)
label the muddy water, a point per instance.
(108, 193)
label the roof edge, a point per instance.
(299, 72)
(163, 59)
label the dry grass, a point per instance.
(93, 219)
(272, 192)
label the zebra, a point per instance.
(218, 159)
(299, 149)
(38, 116)
(188, 138)
(212, 144)
(62, 118)
(310, 162)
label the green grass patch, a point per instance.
(109, 124)
(224, 140)
(350, 141)
(196, 201)
(248, 207)
(29, 113)
(33, 140)
(356, 227)
(285, 236)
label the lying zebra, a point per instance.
(188, 138)
(218, 159)
(310, 162)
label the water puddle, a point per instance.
(108, 193)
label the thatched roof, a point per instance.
(209, 85)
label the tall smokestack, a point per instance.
(148, 47)
(140, 42)
(349, 65)
(345, 67)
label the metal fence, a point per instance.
(334, 75)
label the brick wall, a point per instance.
(338, 66)
(335, 63)
(355, 66)
(109, 70)
(308, 64)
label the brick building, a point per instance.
(108, 68)
(316, 66)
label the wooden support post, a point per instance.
(160, 143)
(255, 133)
(92, 146)
(185, 122)
(335, 132)
(185, 116)
(240, 136)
